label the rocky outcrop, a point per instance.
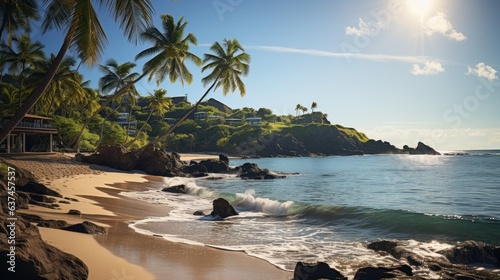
(175, 189)
(421, 149)
(318, 270)
(52, 224)
(159, 162)
(379, 147)
(34, 259)
(222, 209)
(37, 188)
(115, 156)
(472, 252)
(278, 145)
(369, 273)
(215, 166)
(455, 263)
(251, 171)
(86, 227)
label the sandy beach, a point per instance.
(123, 253)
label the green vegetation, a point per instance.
(116, 112)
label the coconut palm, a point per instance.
(22, 57)
(228, 62)
(116, 76)
(85, 35)
(15, 15)
(297, 109)
(158, 105)
(314, 105)
(170, 50)
(65, 85)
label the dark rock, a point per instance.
(175, 189)
(472, 252)
(376, 273)
(34, 259)
(64, 202)
(215, 166)
(379, 147)
(421, 149)
(113, 156)
(275, 145)
(37, 188)
(74, 212)
(42, 198)
(319, 270)
(195, 167)
(251, 171)
(71, 199)
(86, 227)
(222, 209)
(53, 224)
(30, 217)
(158, 162)
(383, 245)
(199, 213)
(224, 158)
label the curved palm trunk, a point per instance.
(38, 91)
(127, 86)
(171, 129)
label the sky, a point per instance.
(401, 71)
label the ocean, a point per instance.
(334, 206)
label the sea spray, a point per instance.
(248, 202)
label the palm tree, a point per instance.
(314, 105)
(116, 76)
(304, 109)
(65, 85)
(158, 104)
(170, 50)
(15, 15)
(228, 63)
(22, 57)
(85, 34)
(297, 109)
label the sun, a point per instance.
(420, 7)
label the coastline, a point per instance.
(123, 252)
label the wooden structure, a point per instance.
(32, 134)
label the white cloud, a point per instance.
(429, 68)
(440, 24)
(371, 57)
(364, 28)
(484, 71)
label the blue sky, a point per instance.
(400, 71)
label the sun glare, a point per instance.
(420, 7)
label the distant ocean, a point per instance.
(336, 205)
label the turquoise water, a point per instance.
(336, 204)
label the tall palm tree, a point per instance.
(297, 109)
(85, 34)
(116, 76)
(15, 15)
(158, 104)
(228, 62)
(314, 105)
(65, 86)
(170, 50)
(22, 57)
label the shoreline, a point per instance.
(122, 252)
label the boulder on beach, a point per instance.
(368, 273)
(222, 209)
(318, 270)
(472, 252)
(86, 227)
(36, 188)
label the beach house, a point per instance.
(33, 134)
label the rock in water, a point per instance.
(372, 273)
(175, 189)
(222, 209)
(319, 270)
